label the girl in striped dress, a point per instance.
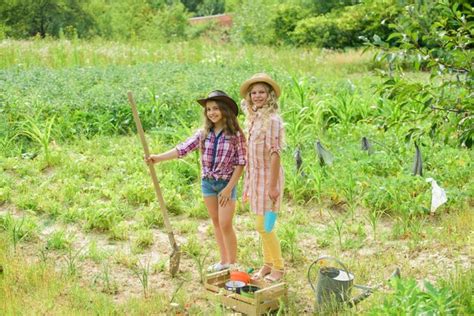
(264, 180)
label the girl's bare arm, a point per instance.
(171, 154)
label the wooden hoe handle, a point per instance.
(151, 168)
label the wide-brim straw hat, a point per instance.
(218, 95)
(260, 77)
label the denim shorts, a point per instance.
(212, 187)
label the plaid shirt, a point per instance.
(220, 155)
(263, 142)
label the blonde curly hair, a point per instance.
(271, 107)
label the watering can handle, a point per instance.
(322, 258)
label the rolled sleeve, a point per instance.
(275, 135)
(189, 145)
(240, 158)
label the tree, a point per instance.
(434, 36)
(25, 18)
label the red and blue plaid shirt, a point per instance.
(219, 155)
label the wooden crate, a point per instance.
(265, 300)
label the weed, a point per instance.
(160, 266)
(186, 227)
(102, 218)
(142, 272)
(71, 257)
(97, 255)
(192, 247)
(58, 240)
(144, 240)
(152, 216)
(120, 231)
(127, 260)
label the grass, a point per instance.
(84, 170)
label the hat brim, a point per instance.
(245, 86)
(227, 100)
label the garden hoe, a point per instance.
(175, 255)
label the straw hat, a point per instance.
(260, 77)
(218, 95)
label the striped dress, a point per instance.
(263, 141)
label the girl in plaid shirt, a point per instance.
(223, 157)
(264, 175)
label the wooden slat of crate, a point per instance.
(265, 299)
(238, 305)
(270, 292)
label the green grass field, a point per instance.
(80, 228)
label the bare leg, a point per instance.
(213, 210)
(226, 214)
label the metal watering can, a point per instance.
(335, 285)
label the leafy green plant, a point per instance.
(144, 240)
(408, 298)
(120, 231)
(39, 134)
(59, 240)
(151, 216)
(102, 218)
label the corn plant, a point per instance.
(108, 284)
(39, 134)
(142, 272)
(17, 229)
(348, 186)
(373, 216)
(339, 223)
(71, 259)
(200, 259)
(289, 240)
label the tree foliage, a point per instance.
(343, 27)
(26, 18)
(120, 19)
(434, 37)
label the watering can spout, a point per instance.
(359, 298)
(369, 290)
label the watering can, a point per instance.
(335, 285)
